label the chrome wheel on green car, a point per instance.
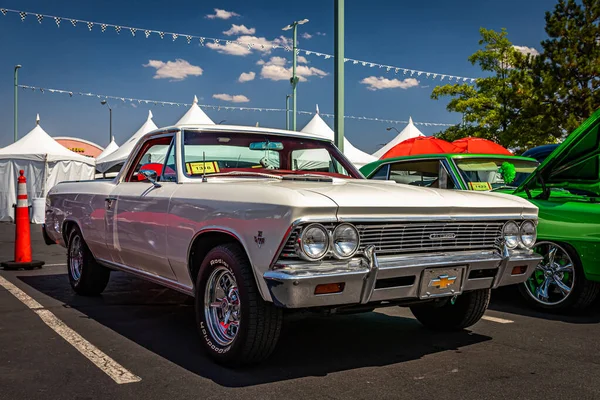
(553, 280)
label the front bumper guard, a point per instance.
(373, 279)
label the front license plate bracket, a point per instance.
(441, 282)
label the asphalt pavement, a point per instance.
(149, 331)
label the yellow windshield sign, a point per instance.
(480, 186)
(198, 168)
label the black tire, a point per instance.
(91, 279)
(259, 321)
(583, 294)
(442, 315)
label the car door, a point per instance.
(138, 211)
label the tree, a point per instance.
(569, 67)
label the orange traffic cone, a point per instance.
(22, 232)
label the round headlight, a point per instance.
(345, 241)
(511, 233)
(528, 234)
(314, 242)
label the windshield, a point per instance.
(210, 153)
(494, 173)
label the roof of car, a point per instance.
(241, 129)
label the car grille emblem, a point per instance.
(445, 235)
(442, 281)
(259, 240)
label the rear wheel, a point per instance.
(558, 282)
(87, 277)
(448, 315)
(236, 325)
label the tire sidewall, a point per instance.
(75, 283)
(219, 257)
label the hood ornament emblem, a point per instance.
(259, 240)
(446, 235)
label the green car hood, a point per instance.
(575, 164)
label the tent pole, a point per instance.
(16, 100)
(339, 73)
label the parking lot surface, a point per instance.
(138, 340)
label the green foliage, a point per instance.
(508, 172)
(529, 100)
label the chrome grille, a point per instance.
(411, 237)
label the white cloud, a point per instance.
(247, 76)
(229, 48)
(176, 70)
(301, 59)
(236, 98)
(239, 30)
(378, 83)
(306, 35)
(320, 34)
(527, 50)
(222, 14)
(261, 62)
(275, 69)
(133, 105)
(283, 41)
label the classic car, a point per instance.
(253, 222)
(540, 152)
(565, 187)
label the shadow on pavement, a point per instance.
(162, 321)
(509, 300)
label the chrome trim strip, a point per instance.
(149, 277)
(371, 277)
(438, 218)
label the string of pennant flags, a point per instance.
(215, 107)
(202, 40)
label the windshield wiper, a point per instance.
(503, 187)
(308, 177)
(245, 173)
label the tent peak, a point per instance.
(410, 121)
(195, 100)
(150, 116)
(37, 119)
(317, 109)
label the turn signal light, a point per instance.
(520, 270)
(330, 288)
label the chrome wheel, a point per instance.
(222, 306)
(76, 258)
(553, 280)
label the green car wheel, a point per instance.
(558, 282)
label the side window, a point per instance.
(418, 173)
(382, 173)
(150, 157)
(312, 160)
(169, 172)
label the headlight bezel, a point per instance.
(522, 242)
(301, 239)
(517, 235)
(333, 248)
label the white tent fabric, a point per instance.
(318, 127)
(45, 162)
(410, 131)
(120, 155)
(111, 148)
(194, 116)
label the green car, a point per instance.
(565, 187)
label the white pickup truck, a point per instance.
(253, 222)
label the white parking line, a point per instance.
(498, 320)
(109, 366)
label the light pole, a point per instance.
(110, 120)
(287, 112)
(294, 79)
(16, 99)
(338, 85)
(392, 127)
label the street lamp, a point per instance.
(294, 79)
(16, 98)
(287, 112)
(103, 102)
(392, 127)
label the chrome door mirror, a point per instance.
(151, 176)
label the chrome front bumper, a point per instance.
(372, 279)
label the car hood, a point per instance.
(362, 199)
(574, 165)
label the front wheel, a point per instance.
(236, 325)
(558, 282)
(448, 315)
(87, 277)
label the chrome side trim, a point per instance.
(149, 277)
(439, 218)
(371, 277)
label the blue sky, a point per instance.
(433, 35)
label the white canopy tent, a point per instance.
(318, 127)
(410, 131)
(194, 116)
(45, 162)
(116, 159)
(111, 148)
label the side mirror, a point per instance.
(151, 176)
